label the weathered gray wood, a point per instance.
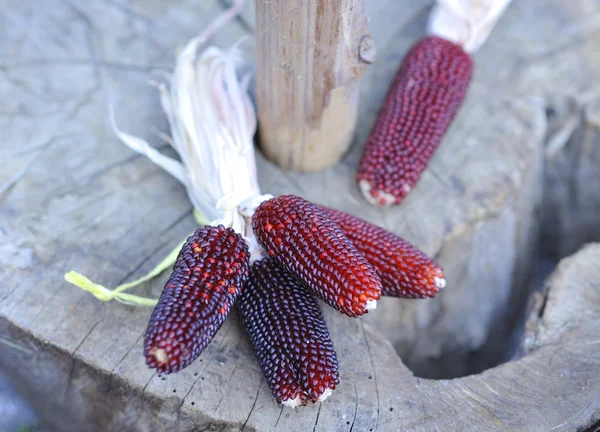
(573, 174)
(79, 199)
(310, 57)
(556, 385)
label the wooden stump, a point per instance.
(75, 198)
(225, 391)
(310, 57)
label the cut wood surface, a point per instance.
(310, 57)
(73, 197)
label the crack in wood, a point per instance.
(281, 412)
(355, 408)
(10, 293)
(374, 374)
(149, 381)
(226, 384)
(129, 12)
(317, 419)
(112, 372)
(201, 374)
(89, 332)
(95, 63)
(254, 403)
(23, 171)
(21, 85)
(178, 220)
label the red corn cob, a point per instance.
(424, 97)
(209, 273)
(312, 247)
(404, 270)
(289, 335)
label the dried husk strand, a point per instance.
(467, 23)
(212, 122)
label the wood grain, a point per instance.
(75, 198)
(310, 57)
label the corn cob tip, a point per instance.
(159, 356)
(328, 392)
(379, 197)
(433, 273)
(293, 403)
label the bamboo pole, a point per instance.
(311, 55)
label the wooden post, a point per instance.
(311, 55)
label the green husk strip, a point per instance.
(104, 294)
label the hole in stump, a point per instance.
(561, 204)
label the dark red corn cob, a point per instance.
(289, 335)
(313, 248)
(208, 276)
(404, 270)
(422, 101)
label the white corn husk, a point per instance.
(465, 22)
(212, 123)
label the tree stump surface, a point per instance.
(73, 197)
